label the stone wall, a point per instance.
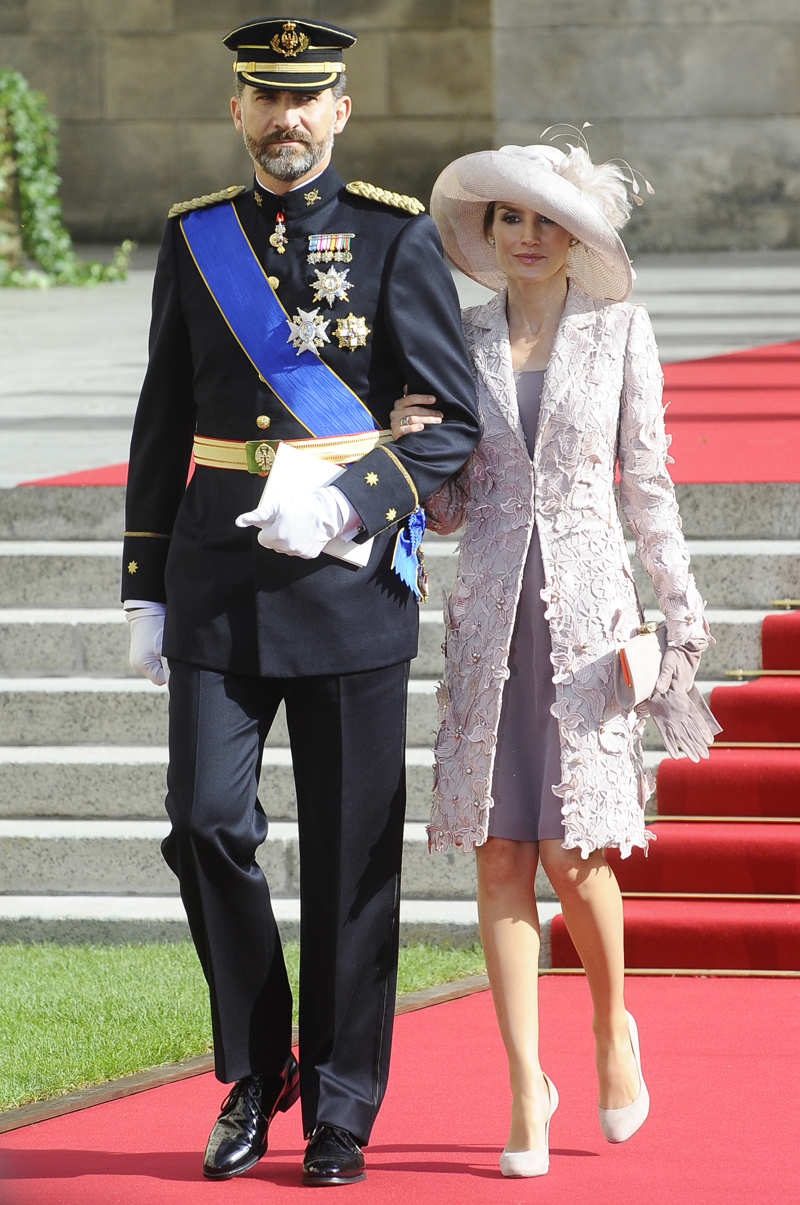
(703, 96)
(700, 94)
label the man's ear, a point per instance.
(343, 109)
(236, 112)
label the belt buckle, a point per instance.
(260, 455)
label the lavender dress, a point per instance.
(527, 760)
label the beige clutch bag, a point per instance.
(638, 664)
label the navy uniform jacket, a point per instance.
(231, 604)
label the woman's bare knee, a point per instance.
(502, 863)
(568, 871)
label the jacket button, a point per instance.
(263, 421)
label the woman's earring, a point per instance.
(490, 240)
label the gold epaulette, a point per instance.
(211, 198)
(396, 199)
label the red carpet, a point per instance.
(110, 474)
(734, 417)
(703, 858)
(701, 935)
(722, 1129)
(780, 641)
(733, 782)
(767, 709)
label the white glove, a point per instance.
(146, 620)
(302, 524)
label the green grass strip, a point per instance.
(71, 1016)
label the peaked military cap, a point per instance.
(284, 52)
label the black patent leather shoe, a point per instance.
(239, 1137)
(332, 1157)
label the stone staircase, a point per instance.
(82, 740)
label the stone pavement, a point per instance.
(73, 359)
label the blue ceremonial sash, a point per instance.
(309, 389)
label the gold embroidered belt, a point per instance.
(258, 455)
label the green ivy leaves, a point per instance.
(31, 226)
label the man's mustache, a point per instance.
(286, 136)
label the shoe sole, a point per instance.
(237, 1171)
(324, 1181)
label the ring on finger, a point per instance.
(405, 420)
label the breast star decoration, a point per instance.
(307, 331)
(352, 332)
(331, 285)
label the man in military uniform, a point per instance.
(295, 311)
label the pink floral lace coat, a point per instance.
(601, 402)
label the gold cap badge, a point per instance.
(289, 42)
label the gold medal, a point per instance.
(352, 332)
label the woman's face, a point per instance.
(529, 246)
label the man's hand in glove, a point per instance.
(302, 524)
(146, 620)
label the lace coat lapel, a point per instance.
(566, 392)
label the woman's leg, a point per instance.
(592, 908)
(509, 926)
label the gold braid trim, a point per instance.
(211, 198)
(397, 200)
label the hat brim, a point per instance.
(315, 81)
(598, 262)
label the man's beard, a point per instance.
(286, 162)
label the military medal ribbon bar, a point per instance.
(330, 248)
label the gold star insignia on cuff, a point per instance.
(132, 566)
(371, 478)
(391, 514)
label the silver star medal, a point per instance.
(331, 286)
(307, 331)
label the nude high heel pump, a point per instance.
(535, 1162)
(620, 1124)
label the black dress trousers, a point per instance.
(347, 735)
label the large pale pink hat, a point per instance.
(588, 200)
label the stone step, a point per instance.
(763, 510)
(108, 782)
(108, 857)
(129, 783)
(730, 573)
(126, 711)
(94, 642)
(125, 918)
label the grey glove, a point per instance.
(678, 668)
(685, 722)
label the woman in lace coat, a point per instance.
(533, 761)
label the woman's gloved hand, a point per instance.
(678, 668)
(685, 721)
